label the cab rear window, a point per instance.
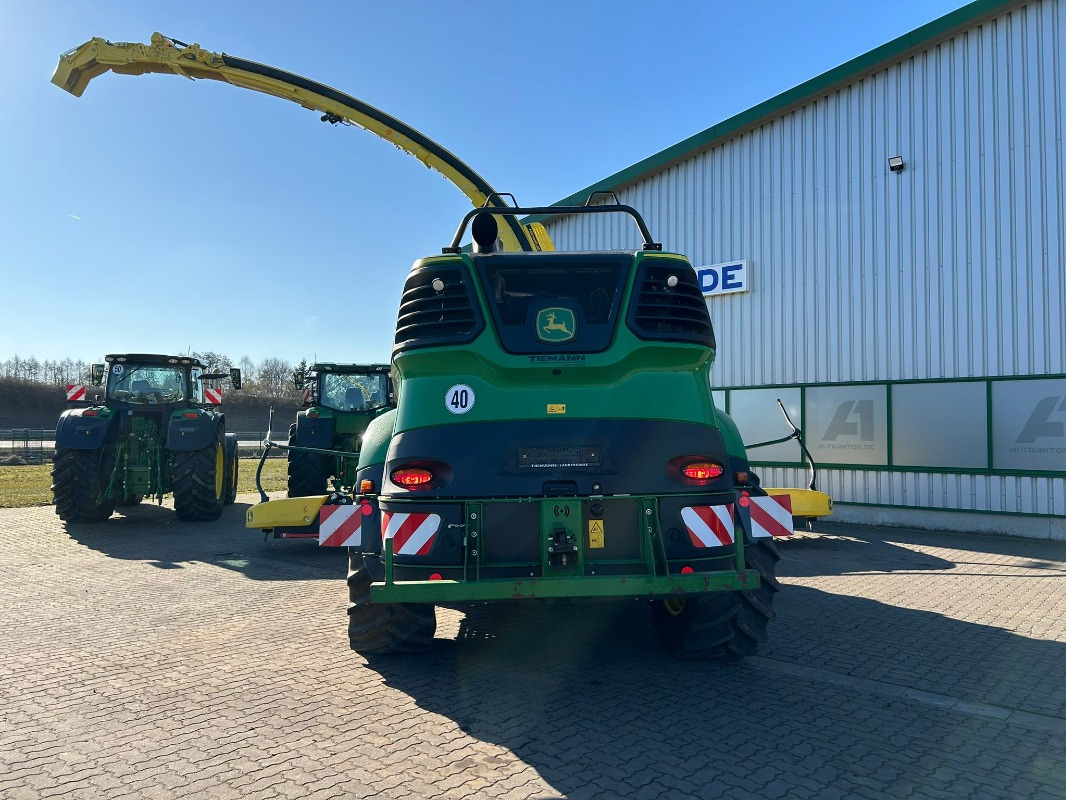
(553, 304)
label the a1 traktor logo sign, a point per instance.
(852, 418)
(556, 325)
(1042, 423)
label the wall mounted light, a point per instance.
(895, 163)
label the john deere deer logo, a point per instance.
(556, 325)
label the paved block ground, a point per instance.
(145, 657)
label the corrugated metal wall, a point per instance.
(955, 267)
(998, 493)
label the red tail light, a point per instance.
(412, 477)
(191, 414)
(702, 471)
(436, 576)
(90, 412)
(687, 570)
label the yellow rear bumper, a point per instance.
(294, 512)
(806, 502)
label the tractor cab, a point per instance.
(340, 401)
(139, 380)
(153, 384)
(345, 387)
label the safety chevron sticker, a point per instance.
(411, 534)
(75, 391)
(340, 526)
(709, 526)
(213, 396)
(771, 516)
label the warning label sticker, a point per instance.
(596, 533)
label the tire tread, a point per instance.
(375, 628)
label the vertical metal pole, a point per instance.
(388, 561)
(739, 536)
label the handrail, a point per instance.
(512, 211)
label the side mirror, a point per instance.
(298, 379)
(235, 377)
(98, 374)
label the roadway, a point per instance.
(145, 657)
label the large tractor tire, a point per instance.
(79, 477)
(233, 463)
(385, 627)
(723, 626)
(308, 472)
(199, 480)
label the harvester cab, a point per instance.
(554, 438)
(155, 430)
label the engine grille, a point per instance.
(670, 313)
(431, 317)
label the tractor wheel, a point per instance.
(308, 472)
(233, 463)
(79, 477)
(200, 481)
(722, 626)
(384, 627)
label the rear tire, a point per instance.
(200, 481)
(384, 627)
(232, 469)
(723, 626)
(79, 477)
(308, 472)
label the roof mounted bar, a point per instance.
(617, 208)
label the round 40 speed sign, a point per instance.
(459, 399)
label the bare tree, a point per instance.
(66, 372)
(216, 362)
(50, 373)
(248, 371)
(274, 374)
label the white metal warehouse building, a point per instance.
(912, 320)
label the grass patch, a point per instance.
(274, 475)
(31, 485)
(25, 486)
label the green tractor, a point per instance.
(340, 400)
(554, 439)
(155, 431)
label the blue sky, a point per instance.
(155, 214)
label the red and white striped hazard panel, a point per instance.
(213, 396)
(75, 391)
(411, 534)
(340, 526)
(307, 396)
(709, 526)
(771, 516)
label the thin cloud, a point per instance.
(74, 216)
(310, 322)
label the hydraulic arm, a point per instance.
(168, 56)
